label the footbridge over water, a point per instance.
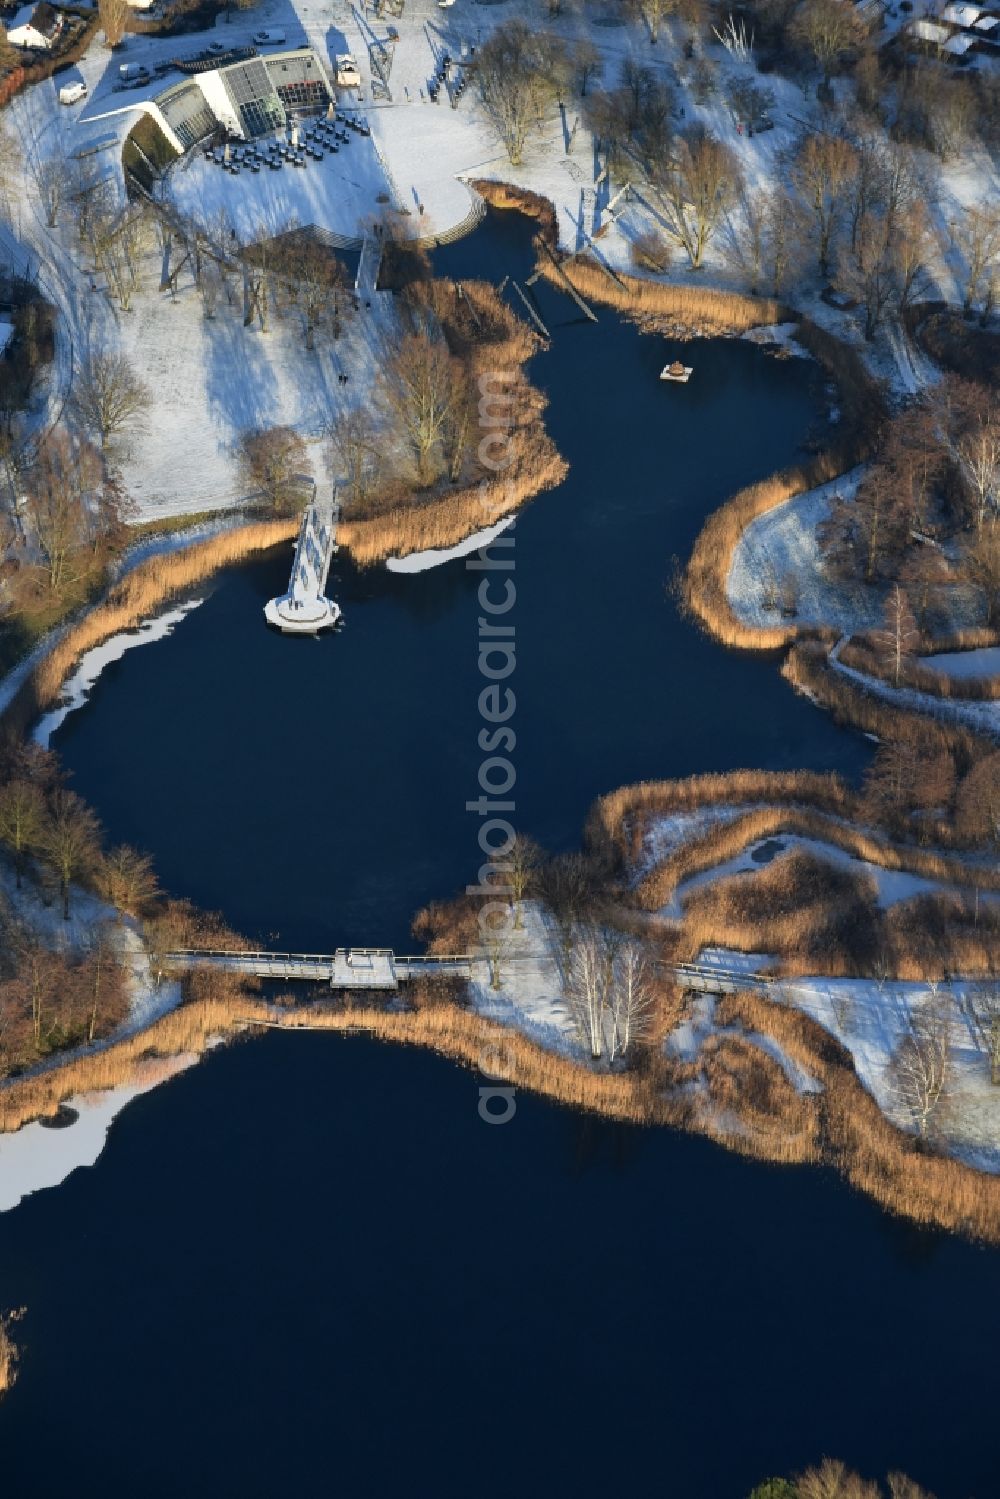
(381, 968)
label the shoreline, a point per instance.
(131, 603)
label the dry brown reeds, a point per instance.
(704, 309)
(138, 595)
(756, 1108)
(812, 915)
(808, 668)
(727, 839)
(9, 1353)
(532, 205)
(445, 521)
(456, 1032)
(617, 822)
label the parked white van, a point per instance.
(269, 39)
(72, 93)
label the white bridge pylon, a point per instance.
(305, 609)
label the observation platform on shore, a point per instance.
(305, 609)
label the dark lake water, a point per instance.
(306, 1266)
(316, 791)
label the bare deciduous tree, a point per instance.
(354, 444)
(981, 566)
(823, 171)
(69, 840)
(631, 998)
(114, 15)
(977, 237)
(58, 484)
(270, 460)
(21, 817)
(109, 396)
(921, 1067)
(587, 62)
(829, 29)
(984, 1013)
(127, 880)
(421, 383)
(521, 864)
(699, 186)
(587, 990)
(520, 73)
(899, 636)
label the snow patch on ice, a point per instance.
(78, 687)
(420, 562)
(38, 1156)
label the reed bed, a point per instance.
(723, 841)
(617, 822)
(704, 309)
(451, 518)
(852, 1133)
(532, 205)
(877, 1158)
(745, 1084)
(9, 1353)
(138, 595)
(455, 1032)
(860, 654)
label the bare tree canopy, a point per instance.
(270, 461)
(422, 383)
(921, 1068)
(700, 184)
(114, 15)
(520, 74)
(109, 396)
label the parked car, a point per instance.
(72, 93)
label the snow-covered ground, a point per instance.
(531, 997)
(213, 378)
(984, 662)
(871, 1020)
